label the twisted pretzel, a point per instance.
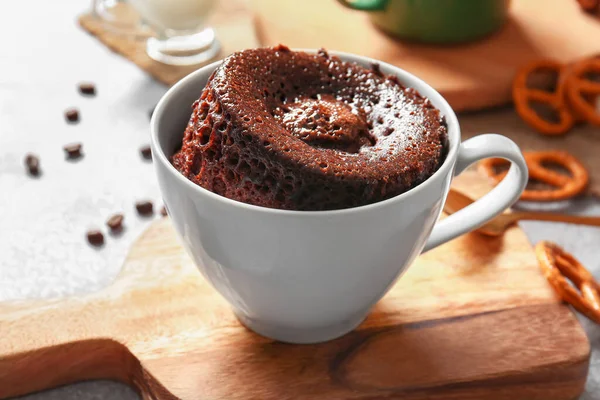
(523, 96)
(558, 266)
(589, 5)
(565, 186)
(578, 86)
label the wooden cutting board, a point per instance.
(472, 319)
(471, 76)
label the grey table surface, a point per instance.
(43, 252)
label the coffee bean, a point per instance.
(72, 115)
(115, 223)
(146, 152)
(87, 88)
(95, 238)
(32, 162)
(163, 211)
(73, 150)
(144, 208)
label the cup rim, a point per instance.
(405, 77)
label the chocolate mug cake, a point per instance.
(291, 130)
(306, 131)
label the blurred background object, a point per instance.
(434, 21)
(231, 20)
(117, 16)
(182, 36)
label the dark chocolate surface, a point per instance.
(292, 130)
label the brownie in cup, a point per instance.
(297, 131)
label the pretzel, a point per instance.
(578, 86)
(558, 266)
(577, 117)
(523, 96)
(565, 186)
(589, 5)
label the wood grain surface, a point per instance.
(472, 319)
(471, 76)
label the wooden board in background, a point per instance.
(471, 76)
(473, 319)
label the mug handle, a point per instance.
(495, 202)
(364, 5)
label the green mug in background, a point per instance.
(435, 21)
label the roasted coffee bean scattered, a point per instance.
(144, 208)
(72, 115)
(115, 223)
(87, 88)
(163, 211)
(73, 150)
(95, 238)
(146, 152)
(32, 162)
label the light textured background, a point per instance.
(43, 221)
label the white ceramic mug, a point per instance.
(311, 276)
